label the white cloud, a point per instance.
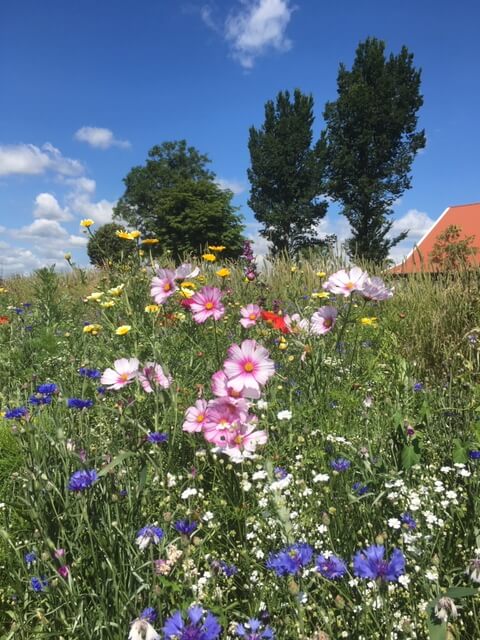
(99, 138)
(233, 185)
(258, 26)
(28, 159)
(49, 234)
(417, 223)
(47, 206)
(81, 201)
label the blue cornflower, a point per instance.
(418, 386)
(200, 625)
(185, 527)
(47, 389)
(360, 489)
(38, 584)
(39, 400)
(371, 565)
(290, 560)
(280, 473)
(30, 558)
(78, 403)
(340, 464)
(83, 479)
(18, 310)
(332, 567)
(149, 534)
(16, 413)
(474, 455)
(221, 566)
(101, 390)
(149, 614)
(26, 304)
(253, 629)
(408, 520)
(94, 374)
(155, 437)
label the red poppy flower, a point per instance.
(4, 320)
(276, 321)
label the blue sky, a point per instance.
(88, 87)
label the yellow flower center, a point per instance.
(167, 287)
(252, 316)
(349, 285)
(248, 367)
(209, 305)
(238, 439)
(200, 417)
(124, 377)
(327, 323)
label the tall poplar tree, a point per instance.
(372, 139)
(286, 174)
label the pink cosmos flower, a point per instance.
(375, 289)
(195, 417)
(222, 417)
(186, 272)
(248, 368)
(206, 304)
(222, 389)
(297, 324)
(323, 320)
(244, 442)
(124, 372)
(346, 282)
(152, 373)
(250, 314)
(163, 285)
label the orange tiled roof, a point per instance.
(465, 216)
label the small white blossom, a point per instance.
(188, 493)
(284, 415)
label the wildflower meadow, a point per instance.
(208, 450)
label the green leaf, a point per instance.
(459, 452)
(461, 592)
(409, 457)
(115, 462)
(437, 631)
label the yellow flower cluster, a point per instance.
(128, 235)
(93, 329)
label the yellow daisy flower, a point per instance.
(218, 248)
(107, 304)
(96, 295)
(3, 290)
(369, 321)
(86, 222)
(123, 330)
(150, 241)
(152, 308)
(320, 295)
(209, 257)
(224, 272)
(321, 274)
(116, 291)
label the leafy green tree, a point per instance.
(451, 252)
(175, 198)
(286, 174)
(372, 140)
(104, 246)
